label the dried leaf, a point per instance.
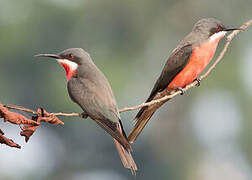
(48, 117)
(30, 125)
(27, 131)
(14, 117)
(8, 142)
(44, 116)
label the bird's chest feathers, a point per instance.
(203, 54)
(200, 58)
(69, 66)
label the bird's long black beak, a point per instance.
(232, 28)
(55, 56)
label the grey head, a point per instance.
(210, 26)
(75, 61)
(76, 55)
(204, 29)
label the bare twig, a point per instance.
(20, 108)
(165, 98)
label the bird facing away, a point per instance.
(184, 65)
(88, 87)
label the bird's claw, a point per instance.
(182, 91)
(198, 81)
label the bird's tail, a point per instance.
(121, 141)
(126, 157)
(141, 119)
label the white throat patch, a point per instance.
(73, 66)
(217, 35)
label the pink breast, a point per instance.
(200, 58)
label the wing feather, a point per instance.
(100, 105)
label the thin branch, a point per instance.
(166, 97)
(20, 108)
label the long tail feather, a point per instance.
(141, 119)
(121, 141)
(116, 131)
(126, 158)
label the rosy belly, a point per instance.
(200, 58)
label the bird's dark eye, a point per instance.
(70, 56)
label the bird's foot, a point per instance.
(84, 115)
(198, 81)
(182, 91)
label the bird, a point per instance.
(89, 88)
(183, 66)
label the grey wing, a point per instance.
(96, 100)
(175, 63)
(99, 103)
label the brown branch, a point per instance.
(20, 108)
(165, 98)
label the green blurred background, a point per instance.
(203, 135)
